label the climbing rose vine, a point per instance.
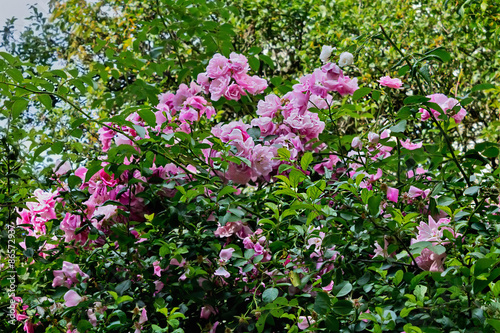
(272, 222)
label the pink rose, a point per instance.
(217, 66)
(386, 81)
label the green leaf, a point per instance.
(254, 132)
(84, 325)
(482, 265)
(15, 74)
(270, 295)
(398, 277)
(322, 303)
(420, 292)
(141, 131)
(491, 152)
(123, 286)
(367, 316)
(113, 294)
(227, 189)
(267, 60)
(74, 181)
(374, 205)
(482, 86)
(399, 127)
(19, 106)
(40, 150)
(306, 160)
(148, 116)
(254, 63)
(442, 54)
(471, 191)
(495, 323)
(406, 311)
(360, 93)
(342, 307)
(45, 100)
(125, 298)
(284, 154)
(495, 288)
(416, 99)
(342, 289)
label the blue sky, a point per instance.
(20, 9)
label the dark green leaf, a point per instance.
(417, 99)
(270, 295)
(342, 307)
(123, 286)
(322, 303)
(360, 93)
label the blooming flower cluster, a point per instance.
(448, 105)
(229, 78)
(433, 232)
(293, 121)
(68, 275)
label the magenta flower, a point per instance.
(446, 104)
(68, 275)
(207, 311)
(392, 194)
(415, 192)
(386, 81)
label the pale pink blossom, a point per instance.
(433, 230)
(72, 298)
(411, 146)
(430, 261)
(218, 87)
(269, 106)
(217, 66)
(265, 124)
(237, 228)
(68, 276)
(238, 63)
(373, 138)
(221, 271)
(263, 160)
(233, 92)
(226, 254)
(446, 104)
(304, 322)
(356, 143)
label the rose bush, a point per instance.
(270, 223)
